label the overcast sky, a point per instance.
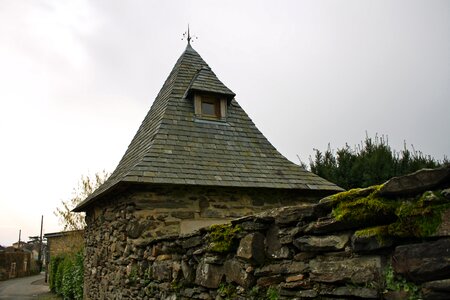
(78, 77)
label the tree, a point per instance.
(86, 186)
(372, 162)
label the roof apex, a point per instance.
(171, 147)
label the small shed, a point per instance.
(197, 159)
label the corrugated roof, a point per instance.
(172, 147)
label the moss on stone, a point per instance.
(354, 194)
(420, 218)
(363, 206)
(379, 232)
(222, 238)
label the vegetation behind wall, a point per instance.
(370, 163)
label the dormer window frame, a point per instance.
(203, 102)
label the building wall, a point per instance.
(66, 242)
(116, 225)
(14, 264)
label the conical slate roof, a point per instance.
(172, 147)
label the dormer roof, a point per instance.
(206, 81)
(173, 147)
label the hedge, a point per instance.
(66, 275)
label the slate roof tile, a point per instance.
(171, 147)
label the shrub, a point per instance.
(66, 275)
(370, 163)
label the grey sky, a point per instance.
(78, 77)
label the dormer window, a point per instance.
(210, 106)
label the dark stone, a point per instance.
(260, 218)
(304, 256)
(162, 270)
(251, 248)
(359, 270)
(291, 214)
(213, 259)
(370, 243)
(282, 268)
(423, 262)
(322, 243)
(360, 292)
(134, 229)
(327, 225)
(209, 275)
(301, 284)
(287, 235)
(396, 295)
(267, 281)
(235, 271)
(253, 226)
(416, 182)
(191, 242)
(273, 245)
(438, 290)
(188, 273)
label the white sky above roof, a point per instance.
(78, 77)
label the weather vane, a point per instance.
(187, 35)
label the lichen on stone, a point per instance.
(222, 238)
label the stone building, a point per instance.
(64, 242)
(197, 159)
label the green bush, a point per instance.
(66, 276)
(370, 163)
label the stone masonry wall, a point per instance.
(384, 242)
(115, 225)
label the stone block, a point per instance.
(191, 242)
(358, 270)
(416, 182)
(162, 270)
(282, 268)
(267, 281)
(322, 243)
(349, 291)
(251, 248)
(327, 225)
(209, 275)
(290, 214)
(235, 271)
(436, 290)
(372, 240)
(423, 262)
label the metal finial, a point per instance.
(187, 35)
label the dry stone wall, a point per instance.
(390, 241)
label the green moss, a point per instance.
(222, 238)
(379, 232)
(419, 218)
(364, 210)
(354, 194)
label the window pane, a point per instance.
(208, 109)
